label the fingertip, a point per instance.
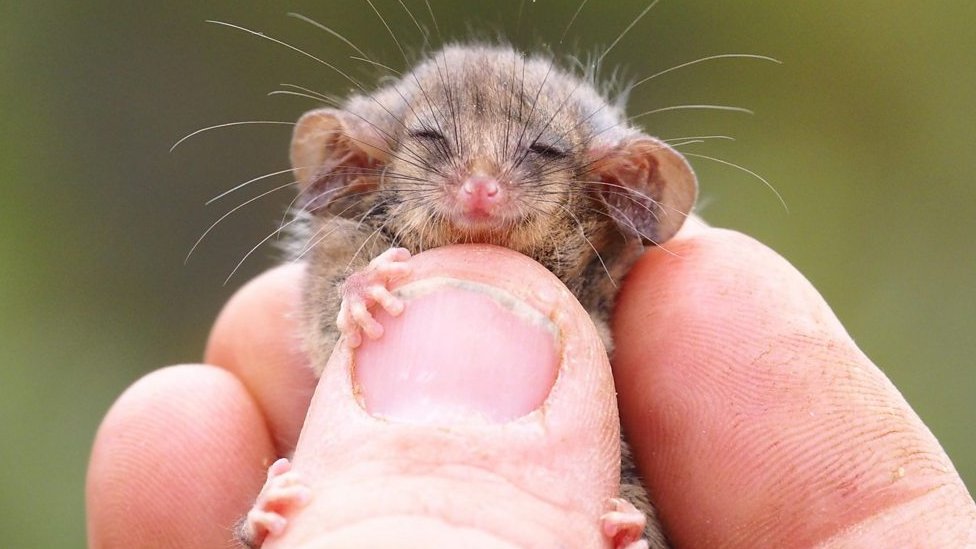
(264, 309)
(752, 413)
(175, 461)
(258, 337)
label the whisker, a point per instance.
(244, 184)
(702, 60)
(746, 170)
(365, 242)
(592, 247)
(660, 245)
(572, 20)
(423, 32)
(628, 194)
(328, 30)
(227, 125)
(376, 64)
(256, 246)
(293, 48)
(691, 107)
(313, 242)
(290, 210)
(325, 97)
(388, 29)
(688, 142)
(433, 19)
(702, 137)
(300, 94)
(226, 215)
(548, 123)
(625, 31)
(355, 82)
(528, 118)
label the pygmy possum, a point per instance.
(478, 143)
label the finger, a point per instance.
(257, 337)
(176, 462)
(758, 422)
(484, 417)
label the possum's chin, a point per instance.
(483, 229)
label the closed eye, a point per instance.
(547, 151)
(426, 134)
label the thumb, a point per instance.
(484, 417)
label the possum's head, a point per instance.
(484, 144)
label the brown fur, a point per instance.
(585, 191)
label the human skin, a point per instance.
(753, 416)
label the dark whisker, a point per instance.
(592, 247)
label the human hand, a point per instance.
(755, 419)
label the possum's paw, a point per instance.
(624, 525)
(282, 492)
(368, 287)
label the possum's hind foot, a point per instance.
(624, 525)
(282, 492)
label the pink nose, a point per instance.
(480, 193)
(481, 186)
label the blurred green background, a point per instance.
(866, 130)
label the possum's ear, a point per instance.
(332, 150)
(649, 187)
